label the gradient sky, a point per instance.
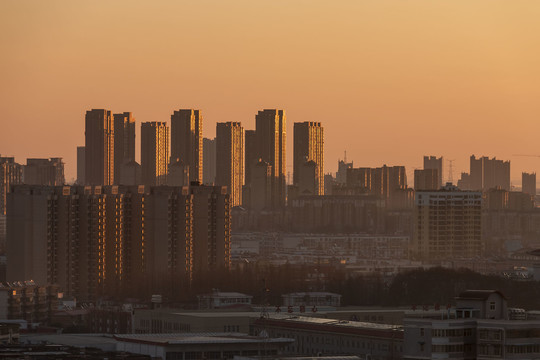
(391, 81)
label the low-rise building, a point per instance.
(480, 327)
(222, 300)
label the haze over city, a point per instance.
(390, 80)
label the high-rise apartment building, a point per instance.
(99, 147)
(154, 152)
(426, 179)
(124, 142)
(486, 173)
(447, 224)
(44, 172)
(211, 228)
(117, 240)
(251, 153)
(528, 183)
(382, 181)
(341, 174)
(187, 141)
(230, 159)
(11, 173)
(271, 138)
(81, 165)
(433, 162)
(209, 161)
(309, 146)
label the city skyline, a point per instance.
(399, 71)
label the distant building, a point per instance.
(223, 300)
(258, 192)
(124, 142)
(271, 138)
(178, 174)
(489, 173)
(341, 174)
(309, 146)
(99, 147)
(464, 183)
(11, 173)
(311, 299)
(230, 159)
(44, 172)
(308, 182)
(433, 162)
(382, 181)
(427, 179)
(154, 152)
(447, 224)
(130, 173)
(81, 165)
(528, 183)
(251, 153)
(500, 199)
(209, 161)
(328, 183)
(187, 141)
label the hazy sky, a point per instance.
(391, 81)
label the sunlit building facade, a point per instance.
(99, 147)
(309, 146)
(230, 159)
(154, 152)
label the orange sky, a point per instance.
(390, 80)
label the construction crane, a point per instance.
(526, 155)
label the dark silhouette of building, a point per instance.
(433, 162)
(154, 152)
(11, 173)
(309, 146)
(251, 153)
(99, 147)
(528, 183)
(81, 166)
(187, 141)
(209, 161)
(44, 172)
(124, 142)
(489, 173)
(426, 179)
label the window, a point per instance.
(421, 331)
(492, 305)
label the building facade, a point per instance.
(99, 147)
(187, 141)
(230, 159)
(124, 142)
(486, 173)
(447, 224)
(433, 162)
(154, 153)
(309, 146)
(116, 240)
(528, 183)
(426, 179)
(271, 138)
(44, 172)
(11, 173)
(209, 161)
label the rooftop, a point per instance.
(198, 338)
